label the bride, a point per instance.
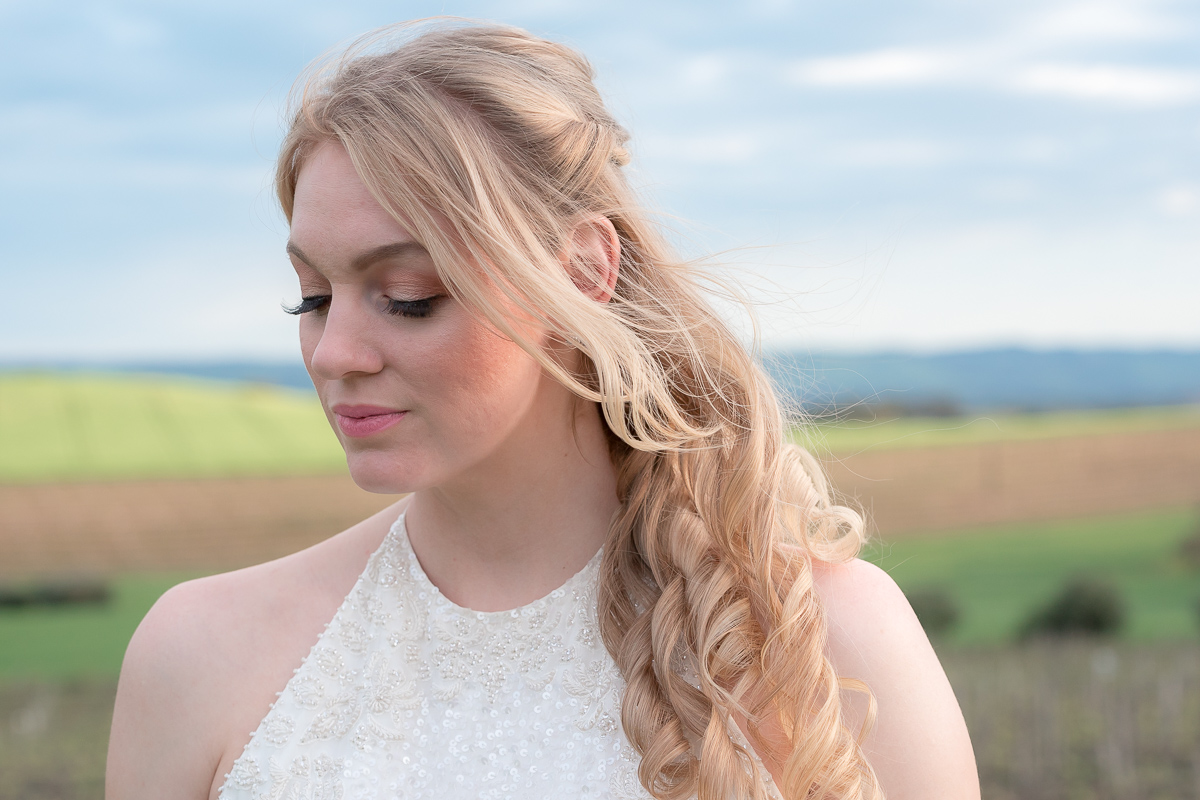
(611, 577)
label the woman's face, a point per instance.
(419, 390)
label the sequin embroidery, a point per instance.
(407, 695)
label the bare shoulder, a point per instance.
(205, 663)
(919, 744)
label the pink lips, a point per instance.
(360, 421)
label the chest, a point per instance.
(405, 695)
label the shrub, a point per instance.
(76, 590)
(935, 608)
(1189, 549)
(1086, 605)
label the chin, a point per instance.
(377, 473)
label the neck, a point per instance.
(520, 525)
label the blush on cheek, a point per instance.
(501, 364)
(492, 381)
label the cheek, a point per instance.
(485, 380)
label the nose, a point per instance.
(344, 343)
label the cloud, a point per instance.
(1179, 201)
(892, 67)
(1100, 22)
(140, 146)
(993, 66)
(1032, 54)
(1125, 85)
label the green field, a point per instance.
(60, 426)
(1048, 719)
(996, 575)
(78, 426)
(78, 642)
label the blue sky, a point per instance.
(916, 175)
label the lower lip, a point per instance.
(358, 427)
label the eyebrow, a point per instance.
(364, 260)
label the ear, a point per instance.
(593, 258)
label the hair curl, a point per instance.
(491, 145)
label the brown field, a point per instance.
(926, 489)
(227, 523)
(1054, 721)
(210, 524)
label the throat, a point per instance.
(504, 566)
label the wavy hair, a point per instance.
(491, 146)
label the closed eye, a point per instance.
(412, 308)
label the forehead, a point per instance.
(333, 212)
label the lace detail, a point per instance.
(407, 695)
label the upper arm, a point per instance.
(918, 745)
(164, 741)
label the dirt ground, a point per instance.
(172, 524)
(229, 523)
(918, 490)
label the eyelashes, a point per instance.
(400, 308)
(307, 304)
(411, 308)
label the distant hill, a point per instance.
(276, 373)
(1014, 379)
(944, 383)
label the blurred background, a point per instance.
(970, 234)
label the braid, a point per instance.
(490, 145)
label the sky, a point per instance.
(923, 175)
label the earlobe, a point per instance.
(594, 258)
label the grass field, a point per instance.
(67, 426)
(105, 426)
(73, 643)
(997, 576)
(1073, 720)
(53, 739)
(1082, 719)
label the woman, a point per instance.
(611, 577)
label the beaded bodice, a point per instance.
(406, 695)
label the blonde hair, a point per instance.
(491, 146)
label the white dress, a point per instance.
(407, 696)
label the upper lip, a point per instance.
(358, 412)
